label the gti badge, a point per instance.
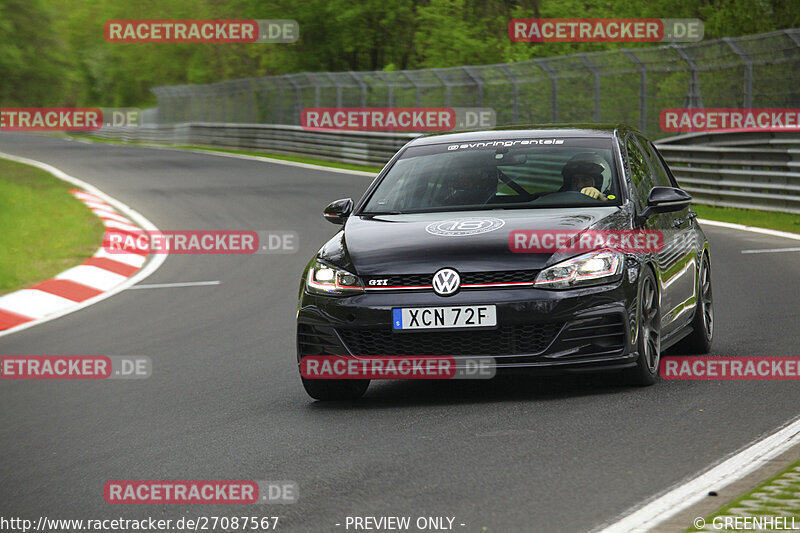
(446, 282)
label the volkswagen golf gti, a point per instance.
(436, 259)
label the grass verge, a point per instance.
(776, 497)
(46, 230)
(282, 157)
(297, 159)
(750, 217)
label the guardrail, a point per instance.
(732, 170)
(753, 139)
(727, 169)
(360, 148)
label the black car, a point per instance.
(435, 230)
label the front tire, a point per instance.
(699, 340)
(328, 390)
(645, 373)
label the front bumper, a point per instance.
(572, 330)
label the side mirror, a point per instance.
(338, 211)
(665, 200)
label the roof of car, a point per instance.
(515, 132)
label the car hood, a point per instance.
(471, 241)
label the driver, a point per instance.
(471, 186)
(585, 177)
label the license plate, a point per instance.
(462, 316)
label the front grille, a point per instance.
(505, 340)
(467, 278)
(508, 276)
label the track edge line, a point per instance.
(646, 516)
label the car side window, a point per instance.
(660, 159)
(660, 173)
(640, 172)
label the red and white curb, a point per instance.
(96, 275)
(101, 276)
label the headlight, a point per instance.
(588, 269)
(326, 279)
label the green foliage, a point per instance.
(33, 58)
(52, 52)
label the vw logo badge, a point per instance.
(446, 282)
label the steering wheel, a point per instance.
(514, 186)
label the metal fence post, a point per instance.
(446, 86)
(694, 97)
(252, 105)
(478, 82)
(298, 106)
(417, 90)
(389, 88)
(204, 106)
(748, 71)
(554, 88)
(515, 89)
(642, 91)
(593, 69)
(280, 99)
(313, 79)
(338, 89)
(363, 86)
(792, 33)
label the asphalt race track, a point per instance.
(225, 400)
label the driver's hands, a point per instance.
(591, 192)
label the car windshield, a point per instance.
(508, 174)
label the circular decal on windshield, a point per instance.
(460, 227)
